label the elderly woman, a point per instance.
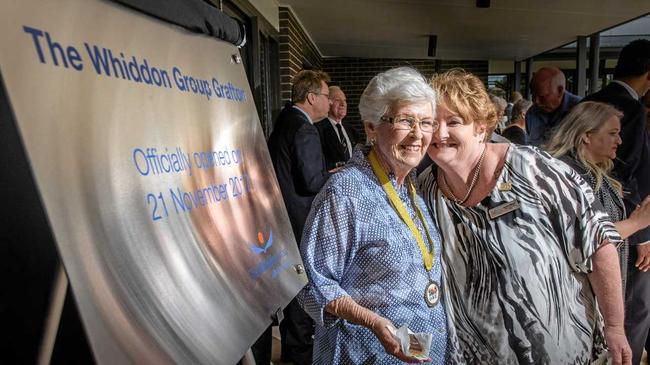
(587, 140)
(370, 249)
(515, 132)
(500, 105)
(525, 252)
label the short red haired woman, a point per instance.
(525, 252)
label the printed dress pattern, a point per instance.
(355, 244)
(517, 286)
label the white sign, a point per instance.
(155, 176)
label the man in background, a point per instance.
(337, 139)
(551, 102)
(295, 149)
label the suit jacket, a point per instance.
(632, 164)
(299, 166)
(333, 151)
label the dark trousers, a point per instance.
(637, 308)
(297, 331)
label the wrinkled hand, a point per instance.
(379, 328)
(619, 349)
(643, 260)
(642, 213)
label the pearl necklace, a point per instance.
(477, 171)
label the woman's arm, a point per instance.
(346, 308)
(605, 280)
(639, 219)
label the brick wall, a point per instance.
(353, 74)
(297, 51)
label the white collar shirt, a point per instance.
(345, 134)
(305, 113)
(628, 88)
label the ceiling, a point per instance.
(509, 29)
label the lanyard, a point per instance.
(398, 205)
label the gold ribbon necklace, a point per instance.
(398, 205)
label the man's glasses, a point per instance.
(326, 95)
(407, 123)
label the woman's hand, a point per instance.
(619, 349)
(380, 327)
(641, 214)
(638, 219)
(346, 308)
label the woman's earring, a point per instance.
(372, 141)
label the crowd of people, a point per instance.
(525, 241)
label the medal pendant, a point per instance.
(432, 294)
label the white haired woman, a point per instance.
(587, 140)
(526, 254)
(370, 248)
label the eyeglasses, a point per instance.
(407, 122)
(326, 95)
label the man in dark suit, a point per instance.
(632, 169)
(337, 139)
(298, 161)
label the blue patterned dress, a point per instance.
(355, 244)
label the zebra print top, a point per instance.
(516, 286)
(611, 202)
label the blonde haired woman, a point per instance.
(587, 140)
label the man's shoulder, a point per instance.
(323, 124)
(291, 113)
(617, 96)
(611, 92)
(534, 112)
(288, 123)
(290, 119)
(572, 99)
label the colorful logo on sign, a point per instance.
(275, 262)
(263, 246)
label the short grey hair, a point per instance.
(389, 89)
(520, 108)
(500, 104)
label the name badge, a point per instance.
(503, 209)
(506, 186)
